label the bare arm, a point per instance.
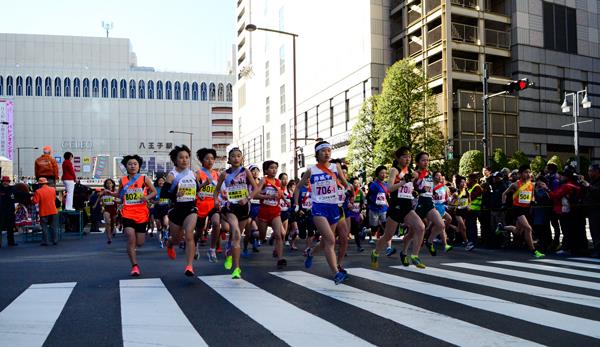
(151, 187)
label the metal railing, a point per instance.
(434, 69)
(434, 36)
(465, 3)
(431, 4)
(497, 38)
(464, 33)
(414, 47)
(465, 65)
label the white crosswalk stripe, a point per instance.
(29, 319)
(547, 293)
(266, 309)
(447, 329)
(549, 268)
(569, 263)
(593, 260)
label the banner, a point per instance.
(101, 164)
(6, 126)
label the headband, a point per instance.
(322, 146)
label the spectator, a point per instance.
(7, 215)
(476, 195)
(68, 179)
(540, 214)
(45, 198)
(592, 203)
(95, 211)
(497, 210)
(563, 199)
(46, 166)
(553, 180)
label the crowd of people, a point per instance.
(327, 209)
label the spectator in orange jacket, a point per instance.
(46, 166)
(45, 198)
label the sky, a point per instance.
(176, 35)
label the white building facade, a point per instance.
(342, 51)
(86, 95)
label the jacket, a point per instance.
(46, 166)
(68, 171)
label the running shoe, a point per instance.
(431, 248)
(390, 251)
(309, 258)
(417, 262)
(212, 256)
(360, 249)
(171, 252)
(374, 259)
(404, 259)
(236, 274)
(161, 243)
(245, 253)
(287, 243)
(371, 242)
(401, 231)
(340, 277)
(135, 271)
(341, 269)
(538, 254)
(281, 264)
(109, 242)
(255, 246)
(228, 262)
(189, 271)
(499, 229)
(448, 248)
(219, 250)
(469, 246)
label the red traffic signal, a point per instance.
(518, 85)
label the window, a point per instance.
(282, 99)
(57, 87)
(76, 87)
(177, 91)
(347, 108)
(38, 86)
(283, 138)
(95, 88)
(229, 92)
(169, 90)
(281, 18)
(114, 89)
(268, 145)
(132, 89)
(1, 85)
(203, 92)
(267, 73)
(105, 88)
(123, 89)
(86, 87)
(29, 86)
(212, 92)
(150, 89)
(186, 91)
(19, 86)
(281, 59)
(47, 86)
(141, 89)
(9, 86)
(221, 92)
(562, 20)
(331, 113)
(267, 109)
(159, 90)
(67, 87)
(195, 91)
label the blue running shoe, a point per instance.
(245, 253)
(390, 251)
(340, 277)
(309, 258)
(255, 245)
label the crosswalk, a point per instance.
(489, 301)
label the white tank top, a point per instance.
(186, 187)
(324, 187)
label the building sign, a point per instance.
(101, 164)
(156, 145)
(77, 164)
(77, 144)
(87, 164)
(6, 126)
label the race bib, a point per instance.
(134, 196)
(164, 201)
(381, 199)
(108, 200)
(427, 188)
(405, 192)
(237, 192)
(306, 203)
(270, 191)
(326, 192)
(207, 191)
(525, 197)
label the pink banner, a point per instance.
(6, 135)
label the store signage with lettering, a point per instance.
(77, 144)
(155, 145)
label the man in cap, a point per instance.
(45, 198)
(7, 213)
(46, 166)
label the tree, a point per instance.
(556, 161)
(406, 114)
(471, 161)
(448, 168)
(537, 165)
(500, 160)
(521, 158)
(363, 138)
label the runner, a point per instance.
(460, 201)
(288, 199)
(109, 207)
(324, 178)
(425, 208)
(161, 211)
(269, 214)
(251, 234)
(237, 181)
(181, 187)
(284, 204)
(354, 217)
(440, 201)
(401, 179)
(133, 190)
(205, 202)
(377, 204)
(342, 230)
(303, 213)
(522, 197)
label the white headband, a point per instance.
(322, 146)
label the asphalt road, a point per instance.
(79, 293)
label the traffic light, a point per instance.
(518, 85)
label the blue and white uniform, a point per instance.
(440, 198)
(324, 195)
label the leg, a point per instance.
(108, 228)
(131, 244)
(44, 224)
(342, 232)
(327, 241)
(278, 236)
(524, 228)
(417, 228)
(189, 224)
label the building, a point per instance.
(553, 43)
(87, 95)
(341, 61)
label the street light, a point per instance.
(251, 28)
(19, 159)
(586, 103)
(183, 132)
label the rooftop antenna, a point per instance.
(107, 26)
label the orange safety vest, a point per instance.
(523, 195)
(133, 207)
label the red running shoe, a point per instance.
(219, 250)
(171, 252)
(135, 271)
(189, 271)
